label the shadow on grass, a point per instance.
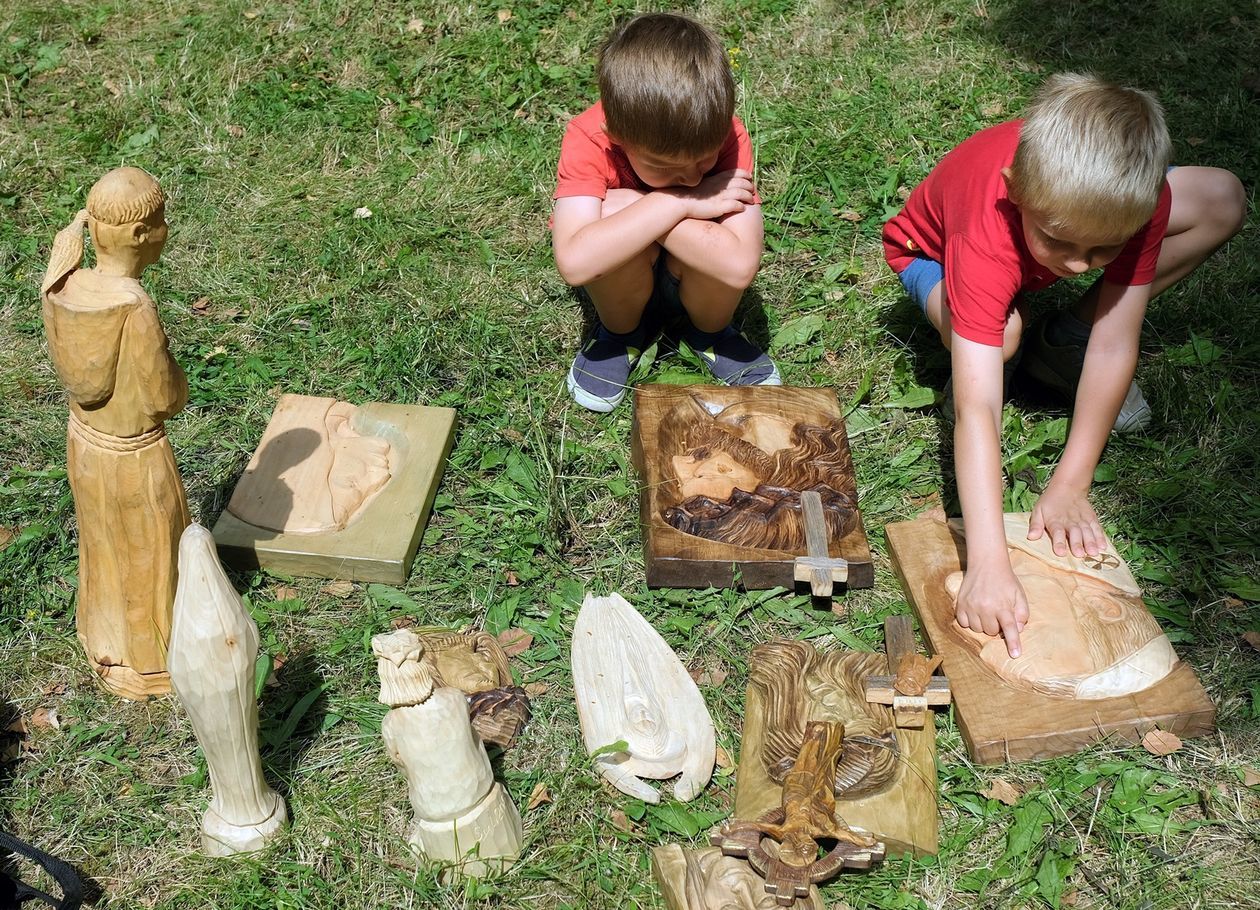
(291, 717)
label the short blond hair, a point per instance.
(1091, 158)
(666, 85)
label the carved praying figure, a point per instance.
(736, 475)
(110, 352)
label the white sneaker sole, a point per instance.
(589, 401)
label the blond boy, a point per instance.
(1082, 183)
(655, 207)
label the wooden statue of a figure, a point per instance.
(214, 647)
(463, 816)
(110, 352)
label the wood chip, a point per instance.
(850, 215)
(46, 719)
(619, 820)
(415, 26)
(1251, 777)
(112, 87)
(504, 15)
(536, 689)
(723, 758)
(251, 14)
(538, 796)
(1161, 742)
(338, 589)
(362, 212)
(236, 131)
(1253, 639)
(515, 641)
(512, 580)
(1003, 791)
(17, 726)
(284, 592)
(201, 306)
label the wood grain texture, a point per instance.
(380, 543)
(707, 880)
(765, 415)
(1000, 721)
(903, 815)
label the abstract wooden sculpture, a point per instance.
(723, 471)
(885, 780)
(214, 648)
(475, 663)
(338, 491)
(110, 352)
(710, 880)
(1094, 660)
(463, 816)
(631, 687)
(807, 816)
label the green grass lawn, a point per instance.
(269, 124)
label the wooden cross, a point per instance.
(910, 686)
(819, 568)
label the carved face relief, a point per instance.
(1084, 638)
(718, 882)
(715, 474)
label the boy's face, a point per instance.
(1062, 254)
(660, 171)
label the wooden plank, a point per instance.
(903, 816)
(898, 639)
(768, 415)
(1005, 721)
(380, 543)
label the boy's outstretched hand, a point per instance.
(991, 600)
(717, 195)
(1066, 515)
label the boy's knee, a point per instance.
(1229, 203)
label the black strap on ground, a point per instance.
(14, 892)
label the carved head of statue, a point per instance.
(127, 217)
(718, 882)
(1085, 638)
(471, 662)
(404, 679)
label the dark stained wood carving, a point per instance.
(1013, 710)
(722, 472)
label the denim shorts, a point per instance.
(919, 278)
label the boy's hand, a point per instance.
(1065, 513)
(716, 195)
(991, 600)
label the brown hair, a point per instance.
(1091, 158)
(666, 86)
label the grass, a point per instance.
(270, 124)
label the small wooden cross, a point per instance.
(819, 568)
(910, 686)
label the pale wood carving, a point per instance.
(462, 815)
(819, 570)
(338, 491)
(1094, 660)
(885, 779)
(214, 648)
(631, 687)
(475, 663)
(723, 470)
(807, 816)
(911, 686)
(314, 471)
(709, 880)
(111, 353)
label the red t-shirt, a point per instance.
(960, 216)
(591, 164)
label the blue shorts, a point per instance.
(919, 278)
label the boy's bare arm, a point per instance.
(588, 245)
(991, 599)
(728, 250)
(1063, 511)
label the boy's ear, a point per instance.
(1009, 177)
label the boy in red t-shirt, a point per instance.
(655, 207)
(1081, 183)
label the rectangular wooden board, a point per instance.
(1000, 722)
(378, 545)
(677, 559)
(903, 815)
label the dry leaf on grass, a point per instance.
(1251, 777)
(201, 306)
(18, 726)
(1161, 742)
(235, 130)
(53, 689)
(112, 87)
(850, 215)
(539, 795)
(415, 26)
(338, 588)
(504, 15)
(402, 622)
(284, 592)
(512, 580)
(6, 535)
(1003, 791)
(712, 677)
(535, 689)
(46, 719)
(28, 390)
(1253, 639)
(619, 820)
(723, 758)
(515, 641)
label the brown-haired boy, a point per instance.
(655, 204)
(1081, 183)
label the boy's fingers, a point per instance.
(1010, 631)
(1076, 539)
(1036, 525)
(1059, 541)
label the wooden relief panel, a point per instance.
(1094, 660)
(706, 880)
(338, 491)
(722, 472)
(885, 778)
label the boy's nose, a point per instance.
(690, 177)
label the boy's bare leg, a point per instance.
(1209, 206)
(621, 296)
(709, 303)
(938, 314)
